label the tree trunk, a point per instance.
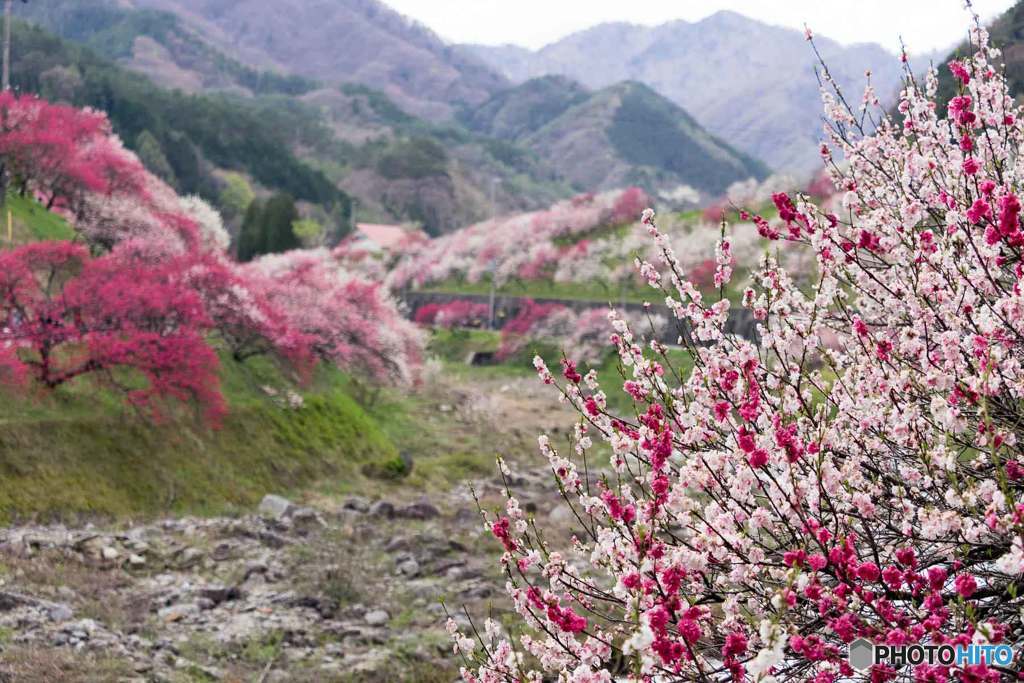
(8, 5)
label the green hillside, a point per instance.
(112, 30)
(193, 132)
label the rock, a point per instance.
(409, 568)
(357, 503)
(275, 507)
(272, 540)
(60, 612)
(136, 560)
(188, 557)
(305, 520)
(377, 617)
(81, 629)
(420, 510)
(178, 612)
(110, 553)
(224, 551)
(254, 567)
(219, 594)
(382, 508)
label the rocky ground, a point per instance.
(347, 589)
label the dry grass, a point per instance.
(98, 591)
(46, 665)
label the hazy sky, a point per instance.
(924, 24)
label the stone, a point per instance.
(305, 520)
(110, 553)
(420, 510)
(219, 594)
(136, 560)
(272, 540)
(377, 617)
(178, 612)
(60, 612)
(409, 568)
(275, 507)
(188, 557)
(224, 551)
(382, 508)
(357, 503)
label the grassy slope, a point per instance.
(81, 451)
(31, 222)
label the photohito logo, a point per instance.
(863, 653)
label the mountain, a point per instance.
(515, 113)
(160, 45)
(335, 41)
(397, 166)
(745, 81)
(194, 137)
(624, 134)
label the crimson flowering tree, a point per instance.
(63, 153)
(517, 331)
(72, 162)
(856, 473)
(129, 322)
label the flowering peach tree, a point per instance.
(857, 472)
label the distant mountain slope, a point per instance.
(519, 111)
(194, 135)
(625, 134)
(398, 167)
(335, 41)
(747, 82)
(158, 44)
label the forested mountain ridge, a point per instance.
(764, 102)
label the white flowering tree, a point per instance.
(857, 472)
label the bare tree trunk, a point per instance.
(8, 5)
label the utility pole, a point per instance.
(494, 263)
(8, 11)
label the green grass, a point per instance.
(456, 345)
(547, 289)
(79, 452)
(32, 222)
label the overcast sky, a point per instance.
(924, 24)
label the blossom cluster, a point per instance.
(458, 313)
(156, 281)
(583, 333)
(856, 472)
(525, 246)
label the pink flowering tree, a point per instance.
(344, 320)
(458, 313)
(856, 473)
(126, 322)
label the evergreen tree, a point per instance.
(151, 154)
(279, 215)
(250, 239)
